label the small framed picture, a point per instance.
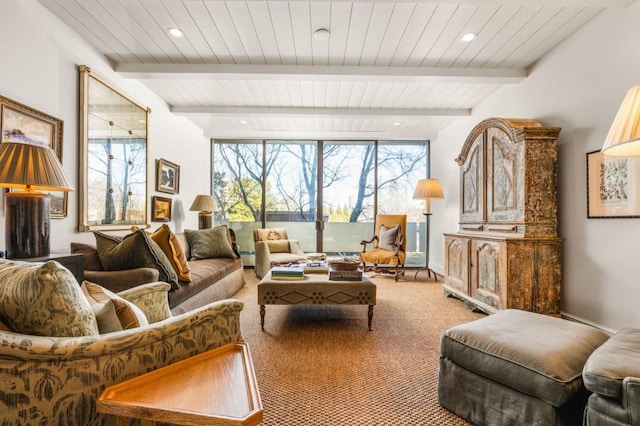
(161, 209)
(612, 188)
(167, 176)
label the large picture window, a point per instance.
(325, 193)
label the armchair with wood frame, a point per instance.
(387, 252)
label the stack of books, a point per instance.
(316, 267)
(342, 275)
(287, 272)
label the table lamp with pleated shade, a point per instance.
(29, 169)
(205, 205)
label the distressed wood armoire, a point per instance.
(507, 252)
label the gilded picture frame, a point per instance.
(21, 123)
(167, 176)
(161, 209)
(612, 186)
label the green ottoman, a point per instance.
(516, 368)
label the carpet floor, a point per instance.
(320, 365)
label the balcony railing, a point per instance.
(338, 238)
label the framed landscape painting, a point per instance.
(612, 188)
(20, 123)
(161, 209)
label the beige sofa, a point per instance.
(56, 380)
(212, 279)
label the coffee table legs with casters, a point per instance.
(316, 289)
(369, 316)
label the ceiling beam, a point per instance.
(322, 112)
(325, 73)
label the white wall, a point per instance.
(578, 87)
(38, 67)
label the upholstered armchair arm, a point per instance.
(263, 258)
(118, 281)
(151, 298)
(631, 398)
(58, 379)
(295, 247)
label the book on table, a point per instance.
(342, 275)
(316, 267)
(287, 272)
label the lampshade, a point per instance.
(623, 138)
(428, 189)
(32, 167)
(204, 203)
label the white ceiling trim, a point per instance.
(323, 112)
(324, 73)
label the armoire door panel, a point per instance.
(457, 263)
(472, 178)
(504, 177)
(488, 272)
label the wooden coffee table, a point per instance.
(316, 289)
(217, 387)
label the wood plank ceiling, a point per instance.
(388, 70)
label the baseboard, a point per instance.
(587, 322)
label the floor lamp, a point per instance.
(427, 190)
(29, 169)
(204, 204)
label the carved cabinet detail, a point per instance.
(507, 253)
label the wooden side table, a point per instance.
(217, 387)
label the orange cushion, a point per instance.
(383, 257)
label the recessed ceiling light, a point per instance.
(468, 37)
(397, 123)
(243, 121)
(176, 32)
(321, 34)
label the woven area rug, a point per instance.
(320, 365)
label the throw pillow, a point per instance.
(172, 248)
(278, 246)
(113, 313)
(209, 243)
(44, 299)
(136, 250)
(271, 234)
(387, 237)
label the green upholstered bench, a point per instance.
(516, 368)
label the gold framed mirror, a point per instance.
(113, 157)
